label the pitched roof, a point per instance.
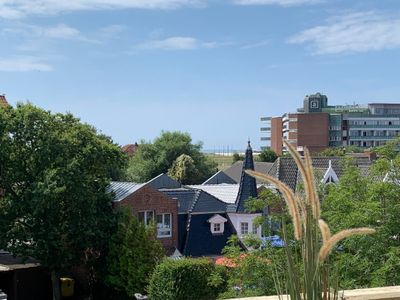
(3, 101)
(163, 181)
(186, 198)
(235, 171)
(285, 168)
(233, 174)
(248, 185)
(123, 189)
(193, 200)
(221, 177)
(130, 149)
(225, 192)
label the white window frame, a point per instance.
(214, 228)
(162, 228)
(255, 228)
(246, 231)
(146, 220)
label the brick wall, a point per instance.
(148, 198)
(276, 135)
(313, 131)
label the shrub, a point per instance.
(186, 279)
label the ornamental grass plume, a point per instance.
(311, 280)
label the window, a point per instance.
(255, 228)
(146, 217)
(164, 225)
(244, 228)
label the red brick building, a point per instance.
(148, 204)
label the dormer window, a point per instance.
(217, 228)
(217, 224)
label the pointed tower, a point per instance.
(248, 186)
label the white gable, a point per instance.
(330, 175)
(217, 219)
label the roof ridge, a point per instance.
(196, 198)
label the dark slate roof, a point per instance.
(195, 201)
(220, 177)
(208, 203)
(233, 174)
(285, 168)
(235, 171)
(247, 186)
(200, 241)
(123, 189)
(163, 181)
(186, 198)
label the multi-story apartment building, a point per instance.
(265, 132)
(319, 126)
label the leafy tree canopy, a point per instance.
(134, 253)
(158, 157)
(267, 155)
(55, 171)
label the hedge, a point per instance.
(186, 279)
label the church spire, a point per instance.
(248, 186)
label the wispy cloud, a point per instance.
(23, 64)
(176, 43)
(352, 32)
(113, 30)
(59, 31)
(19, 8)
(277, 2)
(256, 45)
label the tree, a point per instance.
(155, 158)
(134, 253)
(267, 155)
(183, 169)
(366, 201)
(236, 157)
(55, 171)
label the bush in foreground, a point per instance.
(186, 279)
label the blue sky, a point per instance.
(208, 67)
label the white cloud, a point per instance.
(113, 30)
(20, 8)
(277, 2)
(177, 43)
(256, 45)
(23, 64)
(61, 31)
(31, 32)
(354, 32)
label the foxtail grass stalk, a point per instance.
(311, 281)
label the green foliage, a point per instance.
(186, 279)
(340, 151)
(267, 155)
(134, 253)
(252, 274)
(366, 201)
(55, 171)
(390, 150)
(274, 204)
(183, 169)
(237, 157)
(158, 157)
